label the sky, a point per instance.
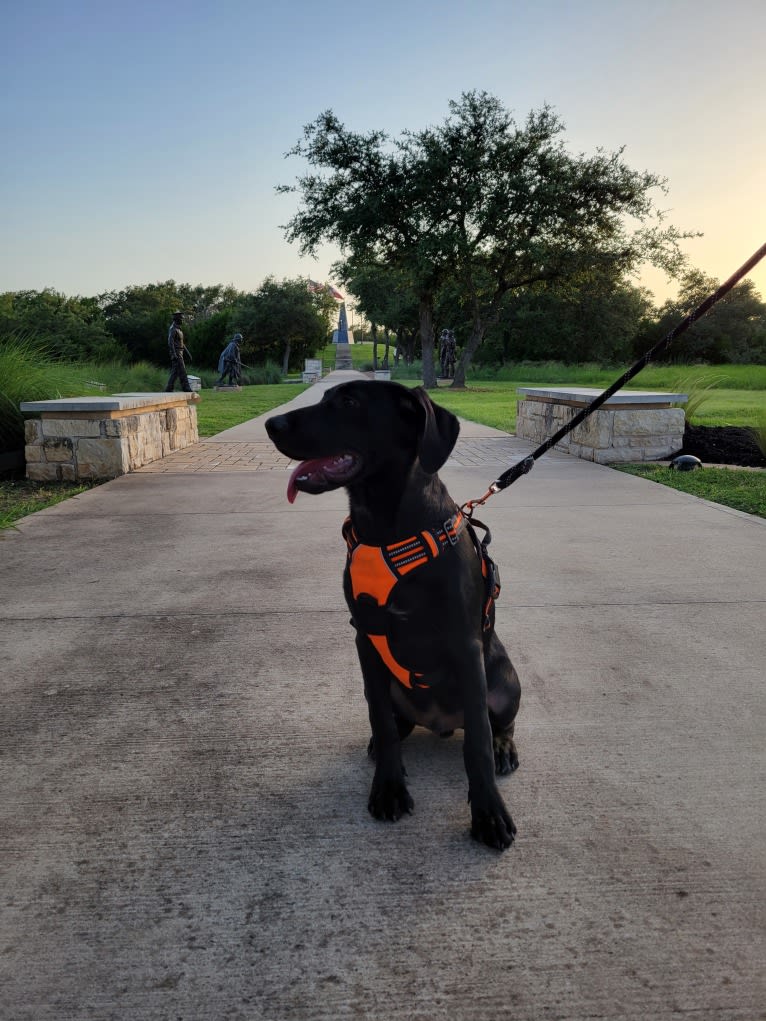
(144, 141)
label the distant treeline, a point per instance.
(283, 322)
(286, 321)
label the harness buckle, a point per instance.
(451, 532)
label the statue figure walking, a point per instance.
(230, 362)
(177, 351)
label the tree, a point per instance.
(591, 319)
(284, 321)
(370, 206)
(481, 202)
(138, 316)
(384, 297)
(733, 331)
(70, 329)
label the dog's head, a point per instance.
(360, 429)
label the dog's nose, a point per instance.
(276, 424)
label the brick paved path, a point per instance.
(261, 455)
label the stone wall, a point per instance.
(608, 436)
(75, 446)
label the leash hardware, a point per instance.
(469, 507)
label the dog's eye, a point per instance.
(349, 402)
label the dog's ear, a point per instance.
(438, 432)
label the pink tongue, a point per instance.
(304, 468)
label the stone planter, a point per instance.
(102, 437)
(633, 425)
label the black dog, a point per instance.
(419, 586)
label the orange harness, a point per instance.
(376, 570)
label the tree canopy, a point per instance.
(68, 328)
(138, 316)
(285, 321)
(132, 324)
(478, 202)
(733, 331)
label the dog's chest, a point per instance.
(413, 621)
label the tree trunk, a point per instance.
(286, 359)
(387, 335)
(427, 341)
(374, 329)
(478, 330)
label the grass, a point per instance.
(487, 402)
(28, 374)
(215, 412)
(727, 395)
(493, 402)
(659, 377)
(19, 497)
(219, 411)
(732, 487)
(758, 432)
(361, 356)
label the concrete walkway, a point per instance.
(183, 827)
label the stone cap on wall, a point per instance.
(584, 395)
(104, 405)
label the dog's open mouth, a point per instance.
(322, 474)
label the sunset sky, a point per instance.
(144, 141)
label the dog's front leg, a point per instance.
(491, 822)
(389, 797)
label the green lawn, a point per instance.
(733, 487)
(722, 394)
(494, 403)
(217, 411)
(19, 497)
(730, 395)
(361, 356)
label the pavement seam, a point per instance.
(344, 612)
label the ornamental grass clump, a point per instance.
(118, 377)
(698, 390)
(758, 432)
(27, 373)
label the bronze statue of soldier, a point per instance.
(447, 353)
(230, 362)
(177, 351)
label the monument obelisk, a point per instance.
(342, 340)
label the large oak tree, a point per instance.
(478, 201)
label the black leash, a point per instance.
(527, 464)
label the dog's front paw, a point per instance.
(491, 823)
(506, 756)
(390, 799)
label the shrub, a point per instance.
(27, 373)
(117, 377)
(403, 371)
(262, 375)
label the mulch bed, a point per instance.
(726, 444)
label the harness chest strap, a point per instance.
(376, 570)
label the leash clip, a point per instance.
(469, 507)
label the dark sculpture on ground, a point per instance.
(230, 362)
(447, 353)
(177, 351)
